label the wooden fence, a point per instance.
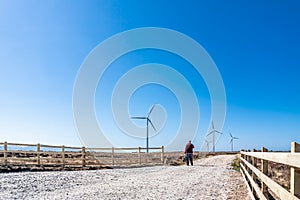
(258, 180)
(15, 154)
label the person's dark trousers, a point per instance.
(189, 158)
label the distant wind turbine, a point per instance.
(207, 144)
(213, 132)
(148, 120)
(231, 141)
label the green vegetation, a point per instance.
(236, 163)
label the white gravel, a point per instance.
(209, 178)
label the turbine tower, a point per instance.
(148, 120)
(231, 141)
(213, 133)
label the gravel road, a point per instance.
(209, 178)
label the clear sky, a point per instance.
(254, 44)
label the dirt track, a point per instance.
(209, 178)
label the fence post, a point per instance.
(162, 154)
(38, 150)
(5, 153)
(254, 163)
(140, 157)
(264, 170)
(63, 156)
(113, 156)
(247, 159)
(83, 156)
(295, 173)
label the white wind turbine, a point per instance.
(213, 133)
(148, 120)
(231, 141)
(207, 144)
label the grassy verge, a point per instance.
(236, 163)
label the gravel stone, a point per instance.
(209, 178)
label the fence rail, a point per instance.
(258, 179)
(16, 154)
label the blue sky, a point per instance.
(254, 44)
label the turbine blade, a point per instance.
(230, 134)
(211, 132)
(219, 132)
(151, 110)
(138, 117)
(235, 138)
(212, 125)
(152, 124)
(231, 141)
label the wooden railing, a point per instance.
(16, 154)
(258, 180)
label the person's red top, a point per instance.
(189, 148)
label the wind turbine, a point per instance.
(207, 144)
(231, 141)
(213, 132)
(148, 120)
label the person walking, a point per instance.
(188, 151)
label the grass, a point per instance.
(236, 163)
